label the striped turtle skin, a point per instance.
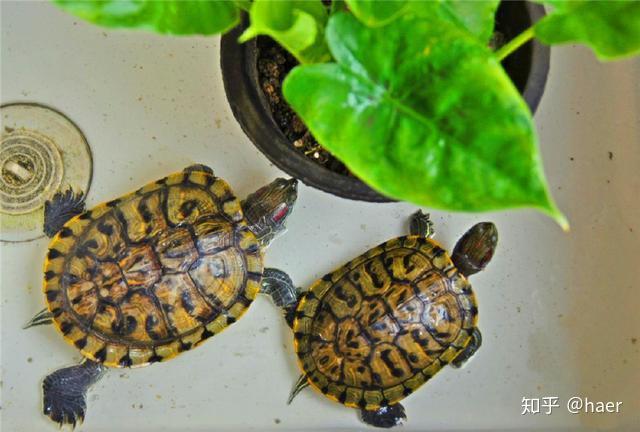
(147, 276)
(373, 331)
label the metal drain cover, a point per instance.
(41, 152)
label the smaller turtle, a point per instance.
(146, 276)
(373, 331)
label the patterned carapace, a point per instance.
(377, 328)
(147, 276)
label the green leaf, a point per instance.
(610, 28)
(477, 16)
(296, 25)
(378, 12)
(423, 112)
(167, 16)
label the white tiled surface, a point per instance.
(559, 312)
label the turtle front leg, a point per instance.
(64, 391)
(284, 294)
(386, 416)
(420, 224)
(62, 207)
(465, 355)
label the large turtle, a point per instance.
(373, 331)
(144, 277)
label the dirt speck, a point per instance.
(264, 329)
(571, 158)
(29, 360)
(634, 341)
(610, 155)
(8, 129)
(276, 421)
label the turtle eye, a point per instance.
(280, 213)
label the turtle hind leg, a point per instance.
(62, 207)
(279, 286)
(41, 318)
(420, 224)
(470, 350)
(386, 416)
(64, 392)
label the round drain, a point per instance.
(31, 169)
(41, 152)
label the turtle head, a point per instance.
(475, 249)
(268, 208)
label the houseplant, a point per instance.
(407, 94)
(527, 67)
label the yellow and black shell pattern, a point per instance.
(144, 277)
(373, 331)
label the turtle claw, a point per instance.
(385, 417)
(67, 411)
(64, 392)
(62, 207)
(65, 417)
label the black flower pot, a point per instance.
(528, 67)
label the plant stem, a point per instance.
(515, 43)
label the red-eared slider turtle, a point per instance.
(144, 277)
(373, 331)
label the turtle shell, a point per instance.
(377, 328)
(144, 277)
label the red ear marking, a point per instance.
(281, 213)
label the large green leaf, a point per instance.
(296, 25)
(423, 112)
(477, 16)
(610, 28)
(166, 16)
